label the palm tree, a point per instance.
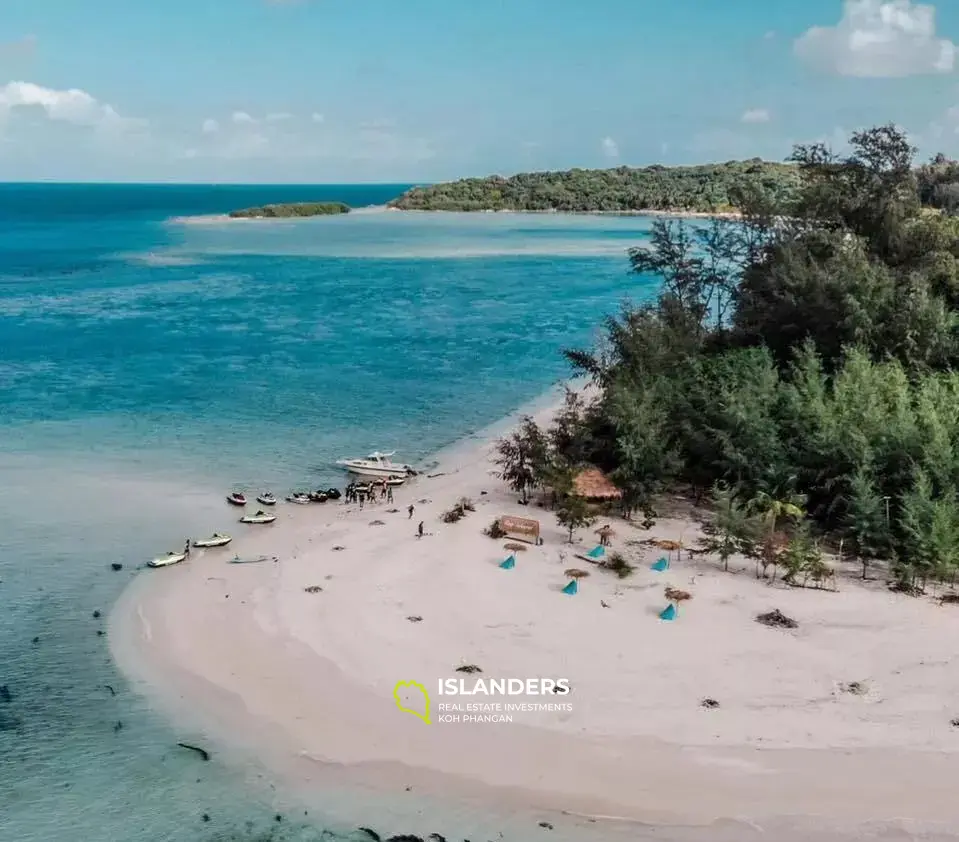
(771, 512)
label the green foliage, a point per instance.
(523, 457)
(805, 356)
(619, 565)
(291, 210)
(707, 188)
(574, 513)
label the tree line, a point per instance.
(797, 370)
(706, 188)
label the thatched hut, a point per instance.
(594, 485)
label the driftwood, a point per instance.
(201, 751)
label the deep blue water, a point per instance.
(152, 356)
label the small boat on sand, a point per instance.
(167, 560)
(255, 560)
(267, 499)
(299, 498)
(236, 498)
(318, 496)
(215, 540)
(259, 517)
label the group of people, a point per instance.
(372, 491)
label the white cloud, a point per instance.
(756, 115)
(317, 117)
(241, 117)
(69, 106)
(609, 147)
(279, 117)
(879, 38)
(210, 126)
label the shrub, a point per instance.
(618, 564)
(495, 531)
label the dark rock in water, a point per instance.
(201, 751)
(118, 726)
(100, 632)
(112, 691)
(371, 833)
(205, 817)
(278, 818)
(405, 837)
(436, 837)
(116, 567)
(35, 640)
(5, 695)
(96, 615)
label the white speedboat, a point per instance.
(267, 499)
(259, 517)
(377, 465)
(215, 540)
(298, 497)
(167, 560)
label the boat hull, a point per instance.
(167, 560)
(375, 472)
(233, 501)
(208, 543)
(266, 501)
(254, 519)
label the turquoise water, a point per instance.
(153, 356)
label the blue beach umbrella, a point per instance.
(509, 563)
(668, 613)
(572, 588)
(660, 565)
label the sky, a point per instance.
(325, 91)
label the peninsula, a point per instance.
(708, 188)
(292, 209)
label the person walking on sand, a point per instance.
(419, 530)
(410, 510)
(389, 493)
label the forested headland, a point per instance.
(709, 188)
(798, 371)
(293, 209)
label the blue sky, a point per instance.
(387, 90)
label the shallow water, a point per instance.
(148, 365)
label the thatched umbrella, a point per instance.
(670, 546)
(576, 573)
(676, 596)
(605, 533)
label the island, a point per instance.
(290, 210)
(708, 189)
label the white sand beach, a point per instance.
(305, 680)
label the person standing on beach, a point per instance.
(389, 493)
(419, 530)
(410, 510)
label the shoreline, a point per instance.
(221, 218)
(230, 650)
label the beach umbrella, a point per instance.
(676, 596)
(509, 563)
(668, 613)
(576, 573)
(572, 588)
(660, 565)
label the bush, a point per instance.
(495, 531)
(618, 564)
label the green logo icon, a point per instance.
(411, 697)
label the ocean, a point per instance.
(153, 357)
